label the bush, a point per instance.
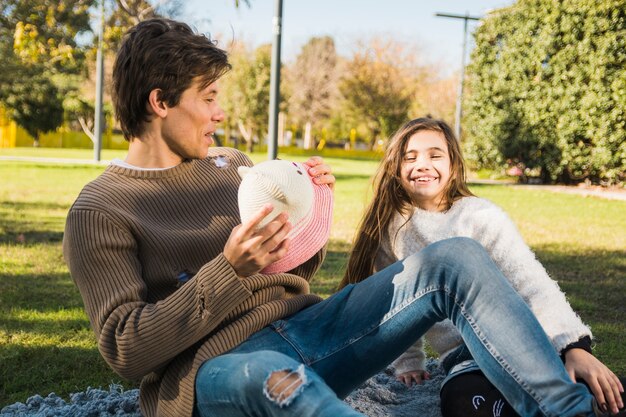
(548, 90)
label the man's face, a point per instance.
(189, 126)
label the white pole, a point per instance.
(97, 145)
(272, 140)
(459, 98)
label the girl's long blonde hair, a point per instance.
(389, 197)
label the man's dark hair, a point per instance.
(161, 54)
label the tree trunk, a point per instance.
(308, 138)
(247, 135)
(374, 139)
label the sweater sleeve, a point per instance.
(384, 257)
(499, 235)
(412, 360)
(136, 337)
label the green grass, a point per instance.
(46, 344)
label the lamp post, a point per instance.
(459, 98)
(272, 140)
(97, 134)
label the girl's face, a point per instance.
(425, 170)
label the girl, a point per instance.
(423, 197)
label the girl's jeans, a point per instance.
(303, 365)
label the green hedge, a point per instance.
(547, 89)
(71, 139)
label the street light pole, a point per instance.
(272, 140)
(459, 98)
(97, 134)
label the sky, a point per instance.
(414, 21)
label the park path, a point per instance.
(54, 160)
(594, 191)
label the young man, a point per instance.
(171, 282)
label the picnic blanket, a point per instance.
(380, 396)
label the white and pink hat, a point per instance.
(288, 187)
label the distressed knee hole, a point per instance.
(283, 386)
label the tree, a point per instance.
(44, 33)
(435, 96)
(125, 14)
(376, 88)
(35, 105)
(37, 44)
(246, 92)
(547, 90)
(312, 83)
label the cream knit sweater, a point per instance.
(486, 223)
(132, 239)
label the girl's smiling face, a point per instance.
(425, 170)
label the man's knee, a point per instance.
(283, 377)
(283, 386)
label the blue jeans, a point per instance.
(303, 365)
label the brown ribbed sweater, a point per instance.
(130, 235)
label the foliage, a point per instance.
(376, 91)
(313, 83)
(125, 14)
(35, 104)
(548, 83)
(44, 33)
(364, 97)
(246, 92)
(381, 85)
(435, 96)
(38, 45)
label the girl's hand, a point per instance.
(320, 171)
(411, 377)
(605, 386)
(249, 248)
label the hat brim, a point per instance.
(311, 237)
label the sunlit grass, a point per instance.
(46, 343)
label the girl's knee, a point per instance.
(453, 262)
(457, 248)
(456, 252)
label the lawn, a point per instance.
(46, 344)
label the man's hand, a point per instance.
(413, 377)
(249, 248)
(604, 385)
(320, 171)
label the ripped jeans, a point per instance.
(305, 364)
